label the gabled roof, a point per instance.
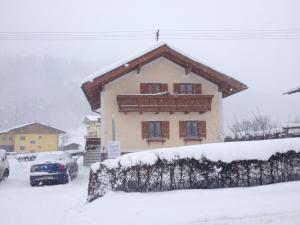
(93, 85)
(33, 128)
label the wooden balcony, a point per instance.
(164, 103)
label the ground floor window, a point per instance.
(154, 129)
(192, 129)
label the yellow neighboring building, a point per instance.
(93, 126)
(34, 137)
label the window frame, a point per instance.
(186, 88)
(192, 129)
(22, 138)
(153, 88)
(157, 130)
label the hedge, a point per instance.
(190, 173)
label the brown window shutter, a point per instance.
(176, 88)
(145, 128)
(197, 89)
(202, 128)
(182, 129)
(165, 129)
(143, 88)
(163, 87)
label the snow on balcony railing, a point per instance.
(164, 103)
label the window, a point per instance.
(22, 138)
(22, 148)
(10, 138)
(154, 130)
(3, 138)
(191, 128)
(185, 88)
(153, 88)
(32, 142)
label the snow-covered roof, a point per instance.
(94, 83)
(121, 62)
(15, 127)
(91, 118)
(294, 124)
(226, 152)
(28, 124)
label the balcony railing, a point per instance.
(164, 103)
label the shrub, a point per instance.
(190, 173)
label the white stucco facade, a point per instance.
(128, 126)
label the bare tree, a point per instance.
(258, 127)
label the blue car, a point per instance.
(53, 168)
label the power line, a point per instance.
(213, 34)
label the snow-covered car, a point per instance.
(4, 166)
(53, 168)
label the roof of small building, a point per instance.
(72, 144)
(91, 118)
(94, 83)
(33, 128)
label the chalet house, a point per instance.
(159, 98)
(33, 137)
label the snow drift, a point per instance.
(236, 164)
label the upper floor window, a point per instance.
(154, 129)
(3, 138)
(185, 88)
(22, 147)
(153, 88)
(192, 129)
(22, 138)
(32, 142)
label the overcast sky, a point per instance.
(268, 67)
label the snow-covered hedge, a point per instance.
(238, 164)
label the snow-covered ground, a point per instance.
(21, 204)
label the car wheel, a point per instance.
(68, 177)
(6, 173)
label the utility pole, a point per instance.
(157, 35)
